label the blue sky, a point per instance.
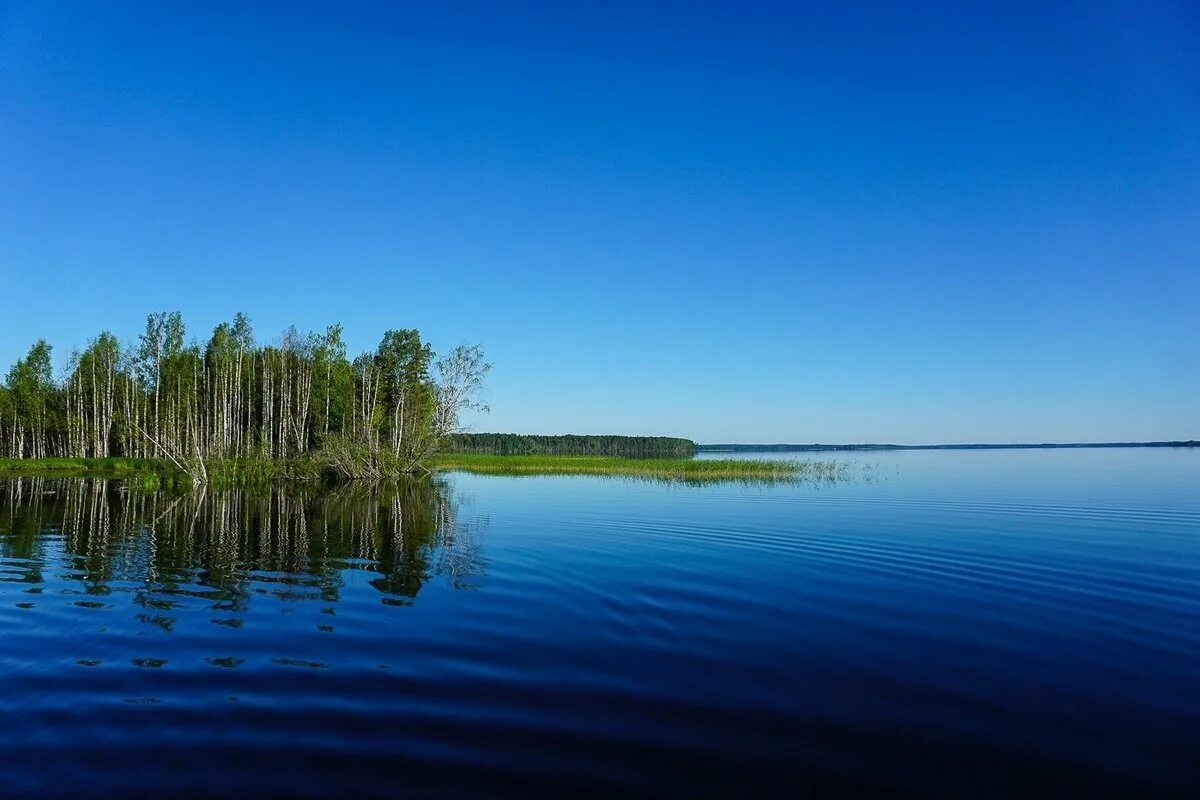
(733, 222)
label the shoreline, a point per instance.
(150, 474)
(867, 448)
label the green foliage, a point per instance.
(402, 368)
(513, 444)
(231, 401)
(30, 404)
(145, 482)
(169, 411)
(142, 473)
(682, 469)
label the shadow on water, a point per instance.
(229, 546)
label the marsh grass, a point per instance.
(67, 467)
(683, 469)
(140, 474)
(152, 474)
(220, 471)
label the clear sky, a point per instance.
(729, 221)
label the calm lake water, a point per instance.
(978, 622)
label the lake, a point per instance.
(943, 623)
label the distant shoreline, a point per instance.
(816, 448)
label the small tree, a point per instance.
(460, 375)
(402, 367)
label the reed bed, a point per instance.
(116, 467)
(153, 473)
(664, 468)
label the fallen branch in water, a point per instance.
(200, 477)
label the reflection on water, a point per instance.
(963, 624)
(230, 547)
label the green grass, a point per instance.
(684, 469)
(65, 467)
(143, 474)
(249, 472)
(149, 474)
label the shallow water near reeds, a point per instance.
(947, 622)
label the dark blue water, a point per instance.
(950, 623)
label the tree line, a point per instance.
(514, 444)
(230, 397)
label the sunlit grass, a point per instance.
(654, 468)
(237, 472)
(142, 474)
(100, 467)
(150, 473)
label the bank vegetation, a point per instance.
(299, 404)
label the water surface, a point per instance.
(948, 622)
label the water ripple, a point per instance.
(489, 637)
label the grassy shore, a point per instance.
(68, 467)
(143, 473)
(653, 468)
(152, 474)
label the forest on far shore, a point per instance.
(516, 444)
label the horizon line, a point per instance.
(967, 446)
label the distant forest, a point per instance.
(513, 444)
(231, 397)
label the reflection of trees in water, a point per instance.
(227, 547)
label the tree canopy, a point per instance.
(515, 444)
(166, 396)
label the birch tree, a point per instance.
(229, 397)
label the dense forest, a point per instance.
(514, 444)
(231, 397)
